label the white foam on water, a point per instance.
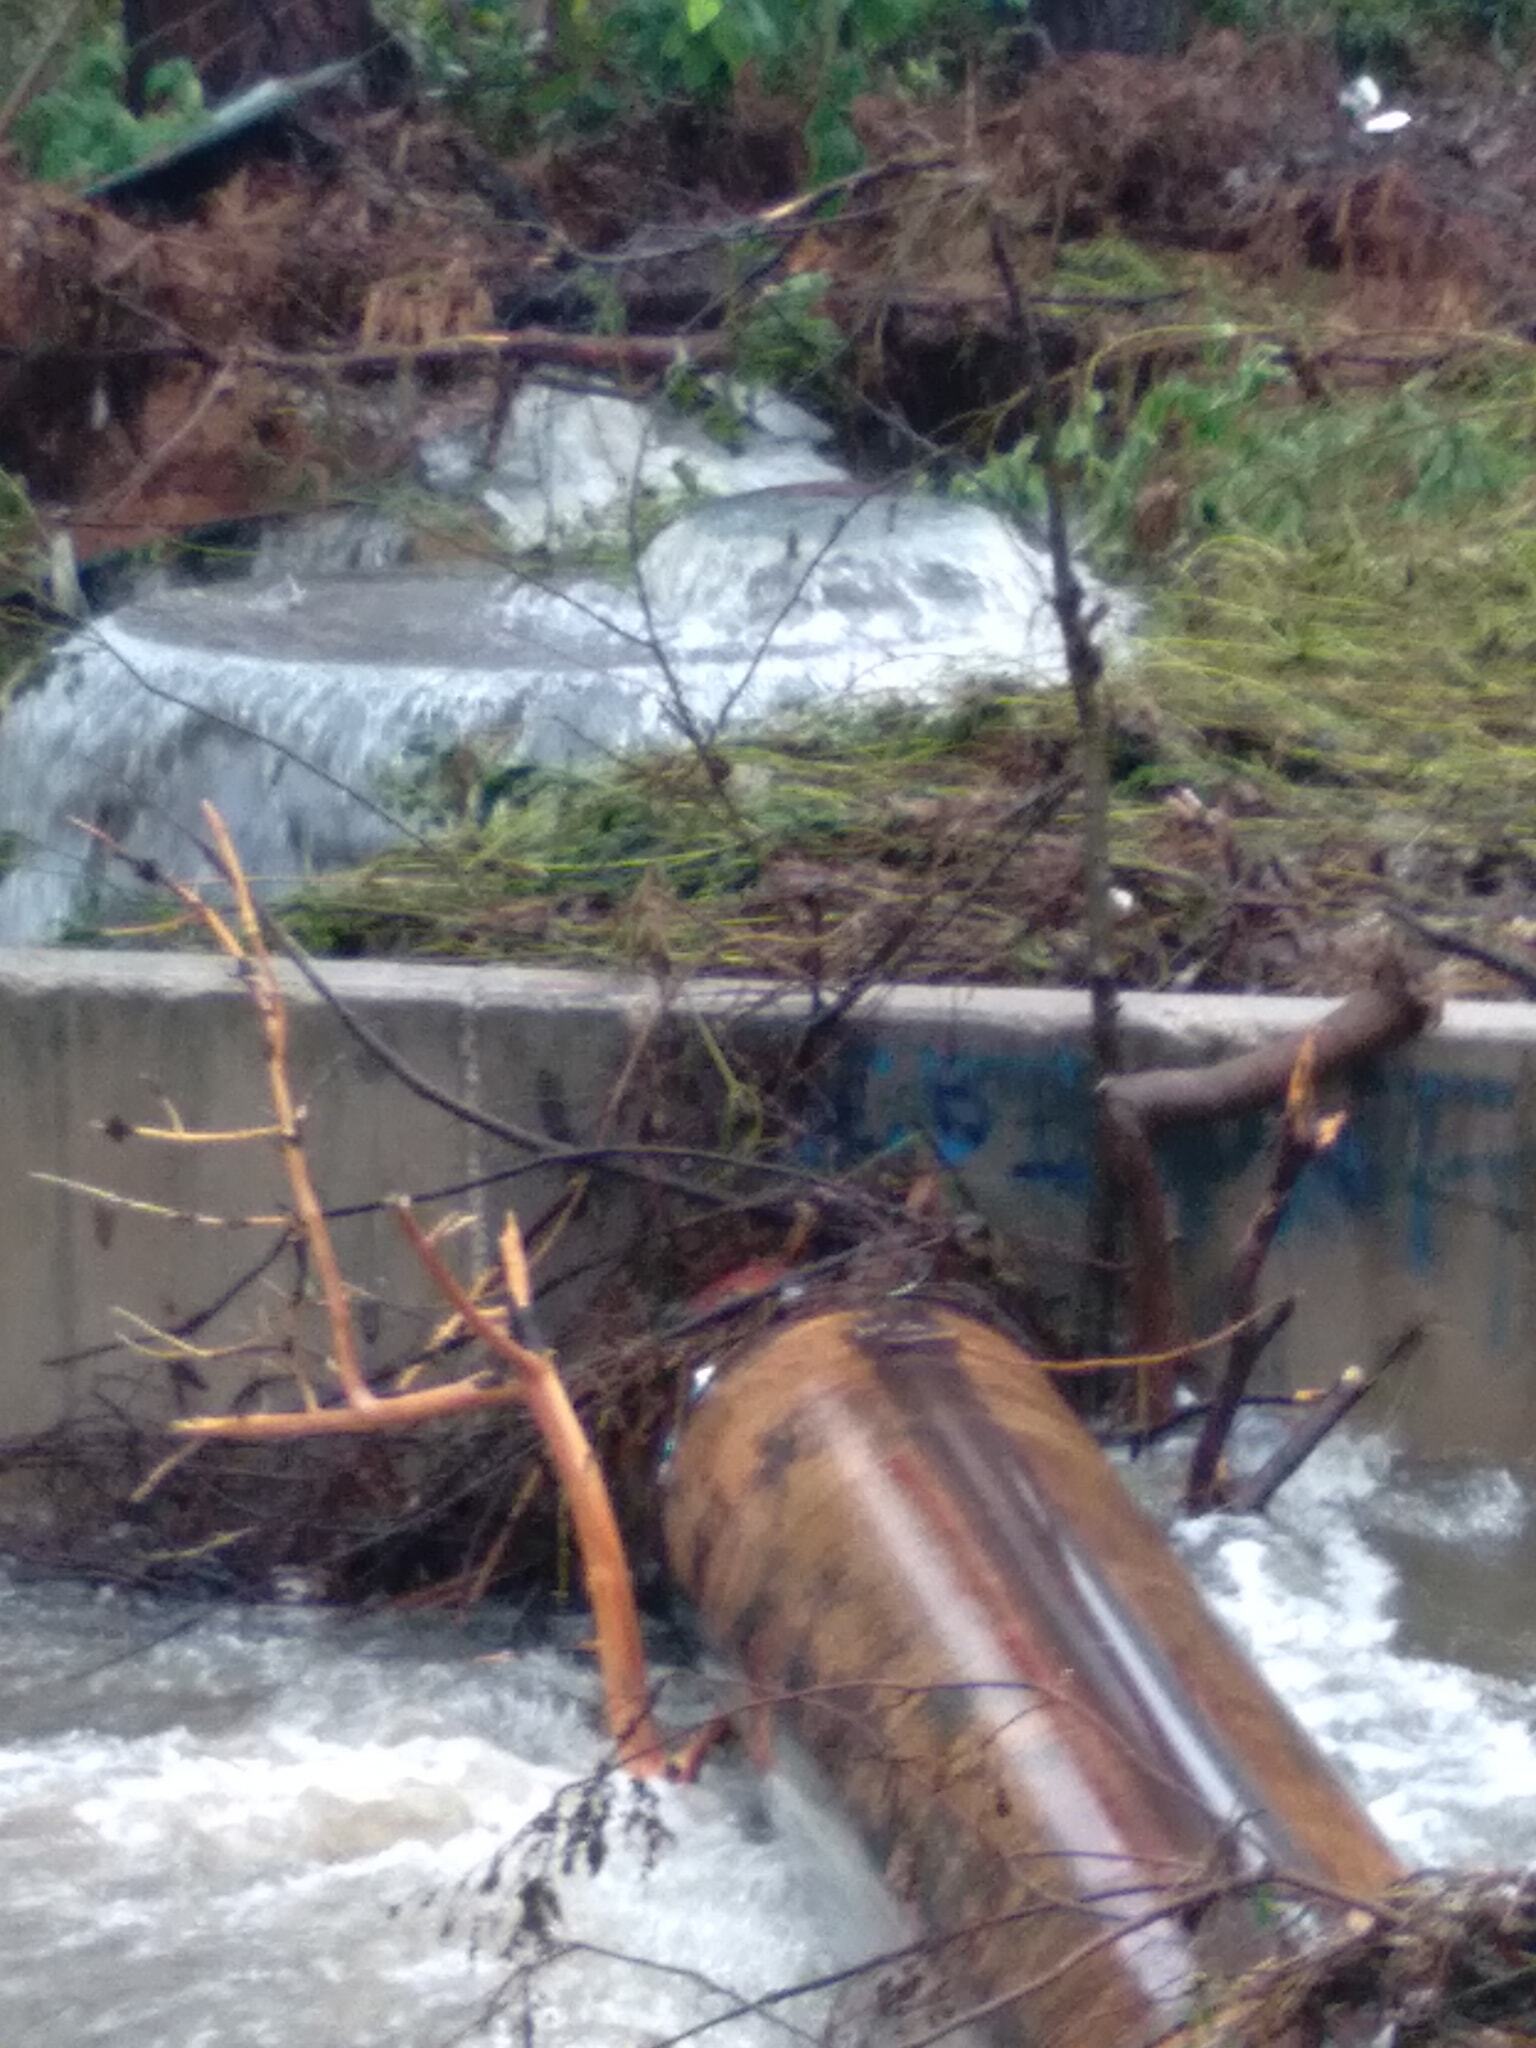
(1442, 1752)
(295, 705)
(249, 1836)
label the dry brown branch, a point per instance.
(261, 982)
(1128, 1169)
(1518, 968)
(616, 1621)
(168, 1134)
(1304, 1135)
(534, 1380)
(1373, 1020)
(1252, 1320)
(1085, 674)
(1136, 1106)
(247, 949)
(377, 1418)
(649, 355)
(1320, 1420)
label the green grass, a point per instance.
(1350, 615)
(1398, 676)
(1338, 653)
(656, 858)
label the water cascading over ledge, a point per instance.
(295, 704)
(935, 1582)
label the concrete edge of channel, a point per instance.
(1223, 1019)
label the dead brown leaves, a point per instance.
(115, 327)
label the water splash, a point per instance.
(1374, 1596)
(249, 1835)
(290, 702)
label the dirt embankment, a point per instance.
(282, 339)
(287, 338)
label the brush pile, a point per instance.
(267, 344)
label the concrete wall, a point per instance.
(1425, 1205)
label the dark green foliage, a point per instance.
(786, 342)
(605, 62)
(1387, 36)
(81, 129)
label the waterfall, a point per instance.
(291, 700)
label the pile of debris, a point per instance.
(243, 327)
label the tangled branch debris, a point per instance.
(237, 358)
(1137, 1106)
(530, 1375)
(804, 1236)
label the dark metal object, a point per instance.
(258, 122)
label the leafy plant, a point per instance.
(479, 58)
(81, 129)
(602, 59)
(786, 341)
(1244, 453)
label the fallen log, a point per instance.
(935, 1582)
(1135, 1108)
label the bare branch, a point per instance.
(1319, 1420)
(1304, 1135)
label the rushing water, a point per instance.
(244, 1833)
(241, 1828)
(1388, 1602)
(294, 703)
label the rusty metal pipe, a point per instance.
(892, 1522)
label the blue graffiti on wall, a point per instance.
(958, 1103)
(1027, 1115)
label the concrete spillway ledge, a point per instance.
(929, 1574)
(1424, 1206)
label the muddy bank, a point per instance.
(289, 339)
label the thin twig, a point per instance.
(1319, 1420)
(1085, 674)
(219, 381)
(1521, 970)
(643, 1163)
(136, 1206)
(1085, 664)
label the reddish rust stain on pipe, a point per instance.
(898, 1528)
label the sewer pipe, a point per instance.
(934, 1580)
